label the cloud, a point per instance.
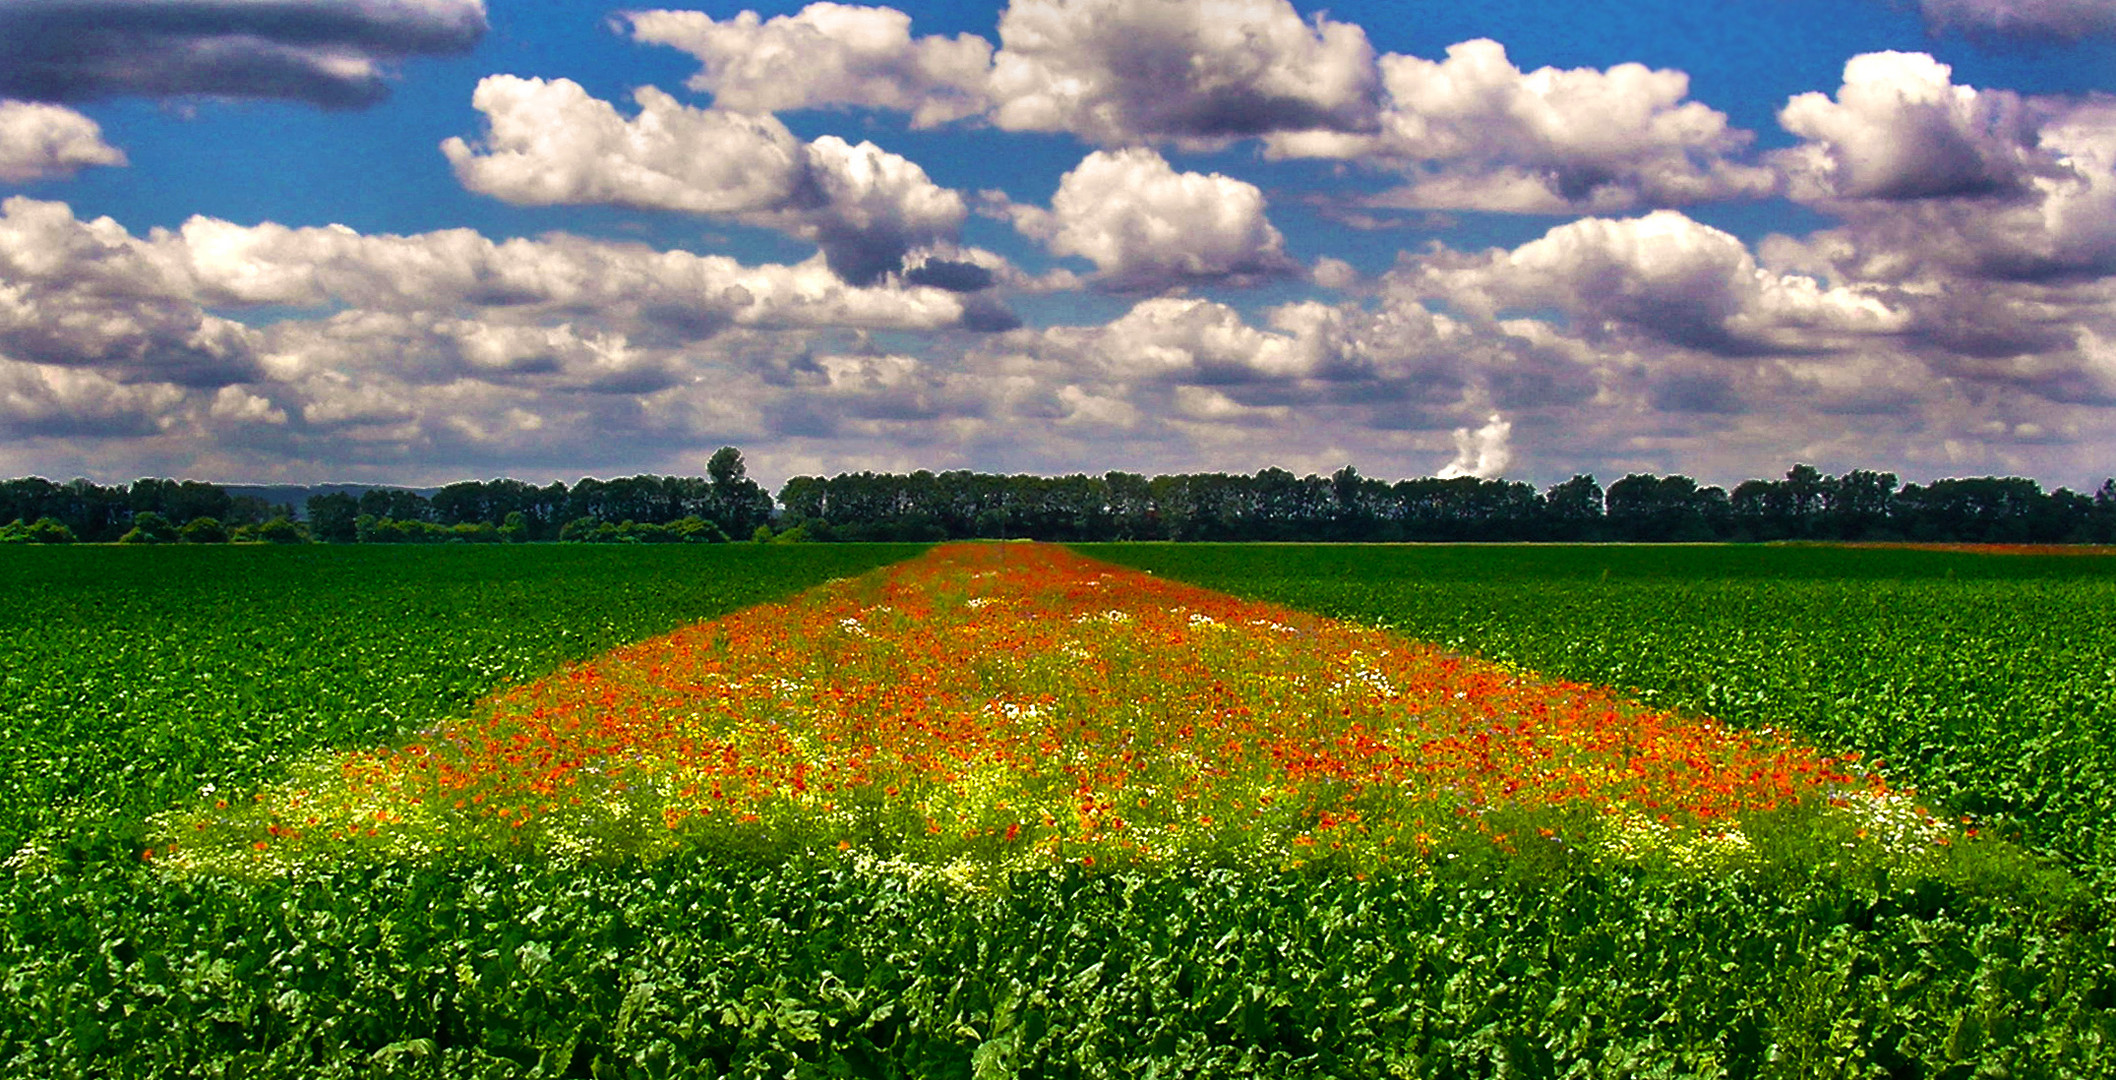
(237, 405)
(551, 143)
(1114, 72)
(1392, 365)
(77, 294)
(1665, 277)
(672, 296)
(1474, 132)
(1181, 340)
(54, 401)
(1148, 228)
(2056, 20)
(43, 142)
(326, 52)
(1483, 453)
(1470, 132)
(1119, 71)
(441, 343)
(1935, 180)
(1900, 129)
(826, 55)
(440, 354)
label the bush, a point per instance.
(280, 530)
(204, 530)
(149, 527)
(49, 530)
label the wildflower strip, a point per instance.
(1012, 705)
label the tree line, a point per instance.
(1272, 504)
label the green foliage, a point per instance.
(689, 967)
(280, 530)
(684, 530)
(1987, 682)
(204, 530)
(126, 685)
(45, 530)
(149, 527)
(129, 680)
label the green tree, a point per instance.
(282, 530)
(50, 530)
(204, 530)
(149, 527)
(333, 517)
(1573, 509)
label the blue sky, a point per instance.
(425, 240)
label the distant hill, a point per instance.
(297, 495)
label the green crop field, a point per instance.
(1987, 682)
(142, 681)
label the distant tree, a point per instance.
(1985, 509)
(204, 530)
(149, 527)
(696, 530)
(725, 467)
(1859, 505)
(1807, 493)
(2101, 523)
(1642, 507)
(1131, 507)
(179, 501)
(246, 510)
(282, 530)
(472, 532)
(736, 502)
(49, 530)
(2064, 517)
(1573, 509)
(397, 504)
(333, 517)
(459, 503)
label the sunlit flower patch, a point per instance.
(1013, 705)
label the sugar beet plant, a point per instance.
(975, 823)
(134, 678)
(1985, 681)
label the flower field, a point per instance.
(1013, 706)
(829, 811)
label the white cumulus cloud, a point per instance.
(1667, 277)
(1935, 180)
(1147, 227)
(1118, 71)
(1114, 72)
(551, 143)
(826, 55)
(1474, 132)
(42, 142)
(1484, 453)
(1899, 128)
